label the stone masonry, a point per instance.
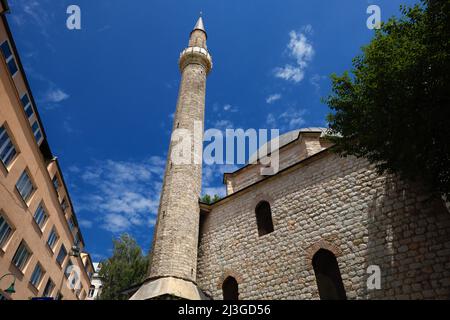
(174, 252)
(317, 201)
(173, 259)
(339, 204)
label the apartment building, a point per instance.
(41, 246)
(96, 283)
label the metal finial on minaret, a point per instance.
(200, 25)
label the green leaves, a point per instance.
(395, 108)
(207, 199)
(125, 268)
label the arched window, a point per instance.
(230, 289)
(264, 218)
(91, 291)
(328, 276)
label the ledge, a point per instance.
(169, 286)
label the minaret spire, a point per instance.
(173, 258)
(200, 25)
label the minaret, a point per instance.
(173, 259)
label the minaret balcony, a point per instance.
(195, 55)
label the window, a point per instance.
(26, 104)
(328, 276)
(64, 204)
(21, 256)
(48, 288)
(7, 149)
(91, 291)
(40, 216)
(36, 132)
(55, 182)
(25, 186)
(71, 223)
(52, 238)
(36, 276)
(77, 239)
(61, 255)
(59, 296)
(5, 231)
(264, 218)
(9, 58)
(230, 289)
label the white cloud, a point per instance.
(55, 96)
(74, 169)
(289, 120)
(213, 178)
(272, 98)
(271, 121)
(122, 194)
(68, 127)
(230, 108)
(227, 107)
(34, 13)
(308, 29)
(315, 81)
(223, 124)
(116, 223)
(299, 48)
(34, 10)
(152, 221)
(290, 72)
(85, 223)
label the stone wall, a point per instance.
(339, 204)
(175, 239)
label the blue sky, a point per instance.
(107, 93)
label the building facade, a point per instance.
(323, 227)
(39, 232)
(96, 283)
(319, 229)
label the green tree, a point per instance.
(125, 268)
(395, 108)
(207, 198)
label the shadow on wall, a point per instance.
(409, 239)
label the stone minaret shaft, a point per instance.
(174, 250)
